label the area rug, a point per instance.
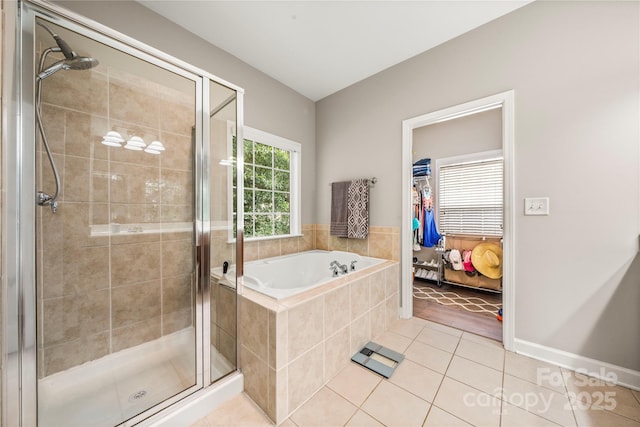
(451, 298)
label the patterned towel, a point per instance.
(358, 209)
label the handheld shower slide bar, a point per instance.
(71, 61)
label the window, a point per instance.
(470, 194)
(271, 185)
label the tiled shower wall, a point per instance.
(103, 292)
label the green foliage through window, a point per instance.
(267, 189)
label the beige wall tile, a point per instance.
(86, 91)
(135, 303)
(322, 240)
(378, 319)
(132, 183)
(307, 242)
(177, 293)
(85, 180)
(253, 327)
(360, 332)
(338, 243)
(53, 120)
(176, 111)
(76, 222)
(251, 251)
(226, 344)
(380, 245)
(132, 100)
(134, 263)
(336, 310)
(392, 275)
(47, 181)
(85, 269)
(93, 312)
(359, 295)
(176, 187)
(76, 352)
(305, 376)
(278, 339)
(268, 248)
(179, 151)
(337, 353)
(177, 258)
(83, 135)
(256, 377)
(135, 334)
(177, 320)
(301, 339)
(289, 245)
(227, 310)
(392, 310)
(359, 246)
(378, 288)
(176, 213)
(277, 408)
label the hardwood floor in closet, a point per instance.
(480, 324)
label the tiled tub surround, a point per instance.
(290, 348)
(382, 242)
(100, 292)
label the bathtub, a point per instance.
(284, 276)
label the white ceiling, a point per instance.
(320, 47)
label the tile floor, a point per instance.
(450, 378)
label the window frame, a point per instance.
(467, 158)
(295, 178)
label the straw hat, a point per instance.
(487, 259)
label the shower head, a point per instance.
(75, 63)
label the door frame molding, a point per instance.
(505, 101)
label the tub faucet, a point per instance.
(336, 265)
(353, 265)
(335, 270)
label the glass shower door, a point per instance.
(223, 295)
(117, 307)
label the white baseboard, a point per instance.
(594, 368)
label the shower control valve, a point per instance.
(46, 200)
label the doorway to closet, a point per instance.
(456, 250)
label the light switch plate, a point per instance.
(536, 206)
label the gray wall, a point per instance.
(469, 134)
(574, 67)
(269, 105)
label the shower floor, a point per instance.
(108, 391)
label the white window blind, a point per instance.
(470, 197)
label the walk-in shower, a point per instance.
(113, 320)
